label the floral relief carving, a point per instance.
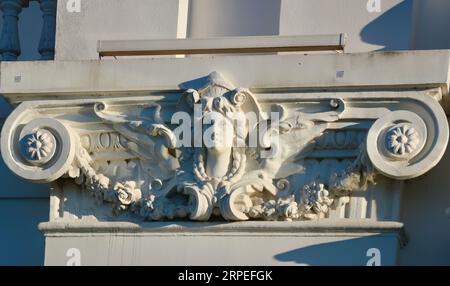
(214, 178)
(127, 194)
(316, 200)
(39, 146)
(402, 140)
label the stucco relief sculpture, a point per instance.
(217, 151)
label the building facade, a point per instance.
(58, 61)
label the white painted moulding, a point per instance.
(249, 243)
(23, 81)
(347, 227)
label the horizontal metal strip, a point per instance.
(256, 44)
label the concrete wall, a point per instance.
(431, 24)
(423, 211)
(22, 205)
(367, 30)
(77, 33)
(223, 18)
(205, 246)
(426, 198)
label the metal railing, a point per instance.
(9, 40)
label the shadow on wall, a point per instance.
(228, 18)
(22, 207)
(388, 31)
(424, 202)
(431, 24)
(22, 243)
(348, 252)
(5, 110)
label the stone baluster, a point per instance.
(9, 42)
(47, 42)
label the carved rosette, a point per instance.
(38, 147)
(128, 152)
(44, 150)
(403, 140)
(404, 145)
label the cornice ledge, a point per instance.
(319, 226)
(338, 228)
(24, 81)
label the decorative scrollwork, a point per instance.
(306, 161)
(46, 149)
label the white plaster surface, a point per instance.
(78, 32)
(386, 29)
(257, 243)
(394, 69)
(250, 18)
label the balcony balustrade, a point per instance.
(10, 48)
